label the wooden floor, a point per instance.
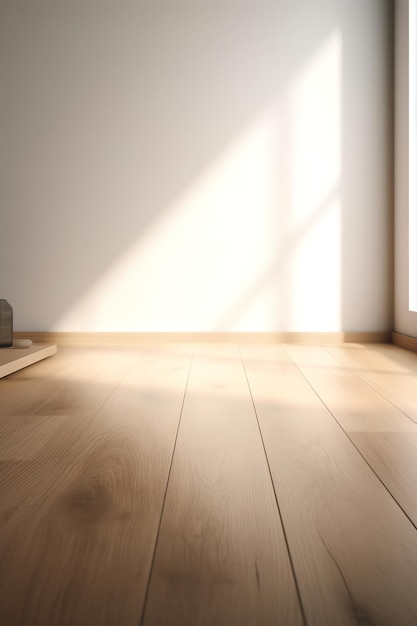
(210, 484)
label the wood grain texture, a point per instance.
(390, 370)
(221, 556)
(386, 438)
(79, 529)
(354, 551)
(354, 404)
(43, 409)
(97, 526)
(393, 457)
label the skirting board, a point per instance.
(405, 341)
(64, 338)
(14, 359)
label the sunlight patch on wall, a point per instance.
(316, 173)
(190, 262)
(254, 244)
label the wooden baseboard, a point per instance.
(404, 341)
(65, 338)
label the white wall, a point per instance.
(405, 320)
(194, 166)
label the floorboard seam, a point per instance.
(94, 415)
(366, 382)
(351, 441)
(145, 600)
(276, 496)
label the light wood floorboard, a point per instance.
(221, 555)
(354, 550)
(389, 370)
(223, 484)
(44, 408)
(79, 529)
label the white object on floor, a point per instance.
(22, 343)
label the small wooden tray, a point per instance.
(14, 359)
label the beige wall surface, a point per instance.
(179, 166)
(405, 320)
